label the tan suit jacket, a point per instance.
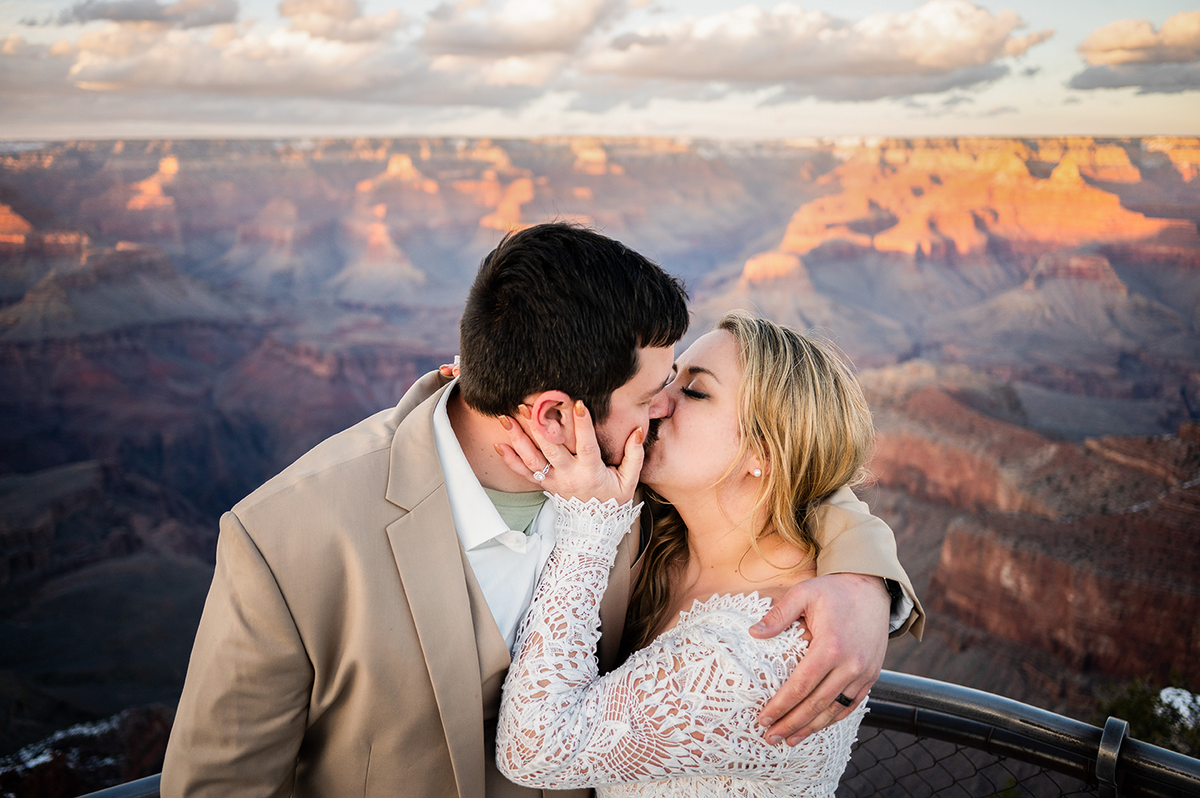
(345, 646)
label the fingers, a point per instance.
(523, 456)
(789, 609)
(587, 448)
(524, 442)
(821, 707)
(622, 479)
(514, 461)
(847, 616)
(581, 474)
(631, 464)
(780, 714)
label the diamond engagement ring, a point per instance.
(538, 476)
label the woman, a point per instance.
(765, 424)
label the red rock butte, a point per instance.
(959, 198)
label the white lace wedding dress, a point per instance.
(679, 717)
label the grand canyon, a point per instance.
(181, 319)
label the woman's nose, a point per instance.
(663, 404)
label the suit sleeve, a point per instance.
(245, 701)
(855, 542)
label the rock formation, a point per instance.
(1115, 594)
(955, 437)
(332, 382)
(1073, 305)
(376, 271)
(140, 211)
(507, 215)
(14, 231)
(27, 254)
(60, 519)
(128, 285)
(943, 203)
(91, 756)
(591, 158)
(278, 253)
(1183, 152)
(777, 285)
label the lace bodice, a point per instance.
(679, 717)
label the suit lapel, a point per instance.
(430, 561)
(494, 657)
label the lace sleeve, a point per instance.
(685, 706)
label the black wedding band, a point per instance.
(841, 699)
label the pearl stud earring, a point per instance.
(757, 472)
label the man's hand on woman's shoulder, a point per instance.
(848, 617)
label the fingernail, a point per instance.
(525, 411)
(640, 437)
(795, 741)
(758, 627)
(767, 721)
(499, 450)
(774, 739)
(580, 410)
(506, 422)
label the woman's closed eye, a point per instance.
(692, 393)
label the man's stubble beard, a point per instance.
(651, 433)
(613, 452)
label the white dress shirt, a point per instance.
(506, 562)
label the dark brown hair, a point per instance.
(559, 307)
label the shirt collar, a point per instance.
(476, 519)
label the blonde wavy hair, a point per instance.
(802, 413)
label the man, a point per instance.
(358, 628)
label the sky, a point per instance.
(535, 68)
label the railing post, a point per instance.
(1115, 732)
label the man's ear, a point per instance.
(551, 415)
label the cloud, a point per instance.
(284, 62)
(29, 70)
(1000, 110)
(518, 28)
(1017, 45)
(1135, 41)
(941, 45)
(1130, 53)
(183, 14)
(532, 70)
(129, 59)
(1146, 78)
(559, 56)
(852, 88)
(339, 20)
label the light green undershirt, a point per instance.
(517, 509)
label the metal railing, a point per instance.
(924, 738)
(928, 738)
(142, 788)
